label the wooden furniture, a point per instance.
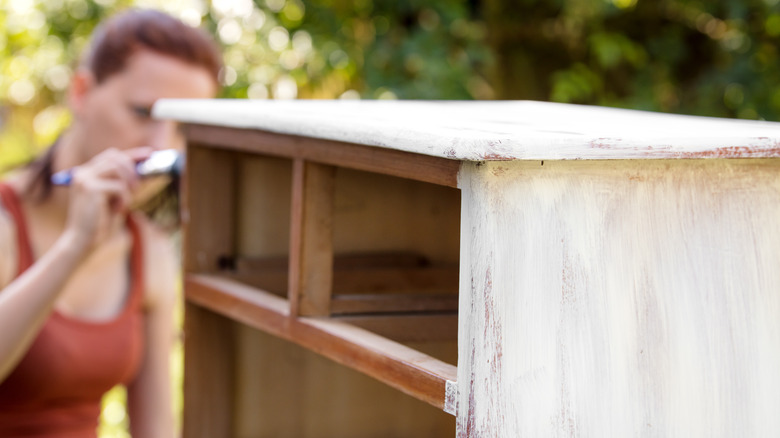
(533, 269)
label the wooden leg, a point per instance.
(209, 383)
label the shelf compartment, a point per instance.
(408, 370)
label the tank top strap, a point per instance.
(137, 277)
(13, 205)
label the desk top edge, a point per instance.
(491, 130)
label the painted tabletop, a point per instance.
(490, 130)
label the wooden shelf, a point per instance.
(401, 367)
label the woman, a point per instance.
(87, 286)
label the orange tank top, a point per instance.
(56, 389)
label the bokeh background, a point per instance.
(703, 57)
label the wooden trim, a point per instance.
(380, 260)
(272, 282)
(403, 164)
(408, 328)
(392, 303)
(340, 261)
(369, 273)
(268, 273)
(432, 279)
(311, 238)
(401, 367)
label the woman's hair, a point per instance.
(115, 41)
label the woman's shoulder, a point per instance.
(161, 263)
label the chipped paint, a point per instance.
(757, 151)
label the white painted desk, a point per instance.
(618, 270)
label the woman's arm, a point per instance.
(98, 196)
(26, 302)
(149, 395)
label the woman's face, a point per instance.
(116, 112)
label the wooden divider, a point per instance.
(311, 239)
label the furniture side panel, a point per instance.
(620, 299)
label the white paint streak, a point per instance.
(476, 131)
(620, 299)
(451, 397)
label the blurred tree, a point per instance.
(278, 49)
(356, 48)
(715, 58)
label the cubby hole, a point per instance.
(395, 249)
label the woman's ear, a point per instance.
(81, 84)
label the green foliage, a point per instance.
(715, 58)
(272, 49)
(39, 43)
(338, 48)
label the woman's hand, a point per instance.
(100, 193)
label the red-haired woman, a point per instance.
(86, 285)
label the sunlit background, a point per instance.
(280, 49)
(713, 57)
(705, 57)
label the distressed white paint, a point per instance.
(451, 397)
(507, 130)
(620, 299)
